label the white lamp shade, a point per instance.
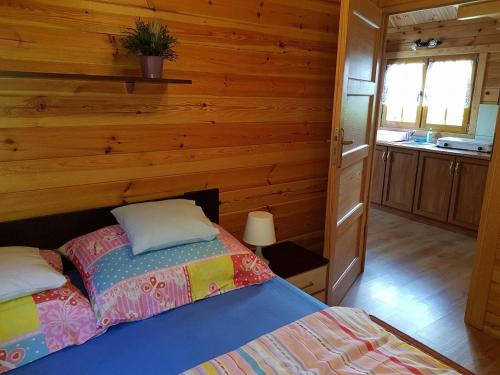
(259, 230)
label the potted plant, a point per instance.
(152, 42)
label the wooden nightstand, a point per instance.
(302, 268)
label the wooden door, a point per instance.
(468, 191)
(378, 174)
(434, 183)
(353, 141)
(400, 176)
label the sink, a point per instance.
(415, 143)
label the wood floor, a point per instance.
(416, 279)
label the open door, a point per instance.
(353, 140)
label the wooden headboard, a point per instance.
(51, 232)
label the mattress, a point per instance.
(180, 339)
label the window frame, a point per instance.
(421, 123)
(467, 110)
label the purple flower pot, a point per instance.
(151, 66)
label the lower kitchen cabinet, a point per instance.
(434, 183)
(467, 193)
(399, 181)
(438, 186)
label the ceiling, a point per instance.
(423, 16)
(479, 9)
(468, 10)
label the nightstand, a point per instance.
(300, 267)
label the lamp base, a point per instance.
(258, 252)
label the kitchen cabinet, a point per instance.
(379, 159)
(443, 187)
(450, 189)
(467, 193)
(434, 183)
(399, 180)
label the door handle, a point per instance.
(384, 156)
(389, 154)
(339, 143)
(343, 142)
(457, 168)
(450, 170)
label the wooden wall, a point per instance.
(491, 240)
(455, 34)
(483, 305)
(255, 122)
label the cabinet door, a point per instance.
(468, 191)
(434, 182)
(378, 174)
(400, 174)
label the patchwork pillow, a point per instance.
(125, 287)
(34, 326)
(53, 258)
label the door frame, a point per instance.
(485, 252)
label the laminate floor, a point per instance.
(416, 279)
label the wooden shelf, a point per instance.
(128, 80)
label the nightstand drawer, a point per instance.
(321, 296)
(311, 282)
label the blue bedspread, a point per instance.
(182, 338)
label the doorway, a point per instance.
(426, 202)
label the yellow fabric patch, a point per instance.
(211, 276)
(209, 368)
(18, 317)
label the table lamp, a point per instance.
(259, 231)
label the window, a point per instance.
(429, 93)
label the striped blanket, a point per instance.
(337, 340)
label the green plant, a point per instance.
(150, 39)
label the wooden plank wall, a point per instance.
(255, 122)
(492, 228)
(483, 305)
(456, 33)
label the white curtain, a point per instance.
(448, 90)
(402, 86)
(403, 82)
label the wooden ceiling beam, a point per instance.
(479, 10)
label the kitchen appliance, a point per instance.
(468, 144)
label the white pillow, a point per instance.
(23, 272)
(163, 224)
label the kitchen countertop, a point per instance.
(433, 148)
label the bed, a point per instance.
(177, 340)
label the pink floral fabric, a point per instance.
(66, 318)
(163, 290)
(88, 249)
(53, 258)
(34, 326)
